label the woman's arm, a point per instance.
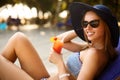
(69, 44)
(67, 36)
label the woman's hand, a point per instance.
(55, 58)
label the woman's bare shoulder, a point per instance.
(96, 52)
(96, 55)
(94, 61)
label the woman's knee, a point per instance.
(19, 36)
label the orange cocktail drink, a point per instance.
(57, 46)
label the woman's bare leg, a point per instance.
(20, 47)
(9, 71)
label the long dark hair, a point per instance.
(108, 47)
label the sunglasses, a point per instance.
(93, 23)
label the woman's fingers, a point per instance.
(54, 57)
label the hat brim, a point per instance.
(77, 12)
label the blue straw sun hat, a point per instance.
(78, 10)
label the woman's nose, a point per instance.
(88, 26)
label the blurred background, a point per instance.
(40, 20)
(43, 12)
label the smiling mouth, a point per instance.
(90, 33)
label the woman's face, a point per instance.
(93, 26)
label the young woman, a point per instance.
(98, 27)
(95, 25)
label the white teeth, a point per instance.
(90, 33)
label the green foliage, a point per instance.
(45, 4)
(51, 5)
(4, 2)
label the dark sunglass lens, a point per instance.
(94, 23)
(84, 24)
